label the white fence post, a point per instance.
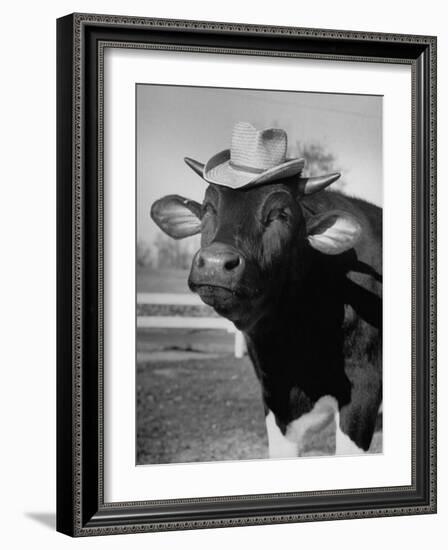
(240, 344)
(170, 321)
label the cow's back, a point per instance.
(362, 290)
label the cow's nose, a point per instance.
(219, 260)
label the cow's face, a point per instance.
(251, 241)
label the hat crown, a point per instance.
(257, 149)
(256, 157)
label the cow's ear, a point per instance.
(334, 232)
(177, 216)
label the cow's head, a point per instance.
(251, 240)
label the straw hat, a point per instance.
(254, 158)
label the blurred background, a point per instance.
(197, 395)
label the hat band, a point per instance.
(244, 168)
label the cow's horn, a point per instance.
(308, 186)
(198, 167)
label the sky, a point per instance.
(178, 121)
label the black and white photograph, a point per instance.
(246, 277)
(259, 244)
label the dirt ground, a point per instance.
(197, 403)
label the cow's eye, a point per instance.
(208, 208)
(277, 214)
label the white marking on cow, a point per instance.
(279, 445)
(344, 445)
(291, 444)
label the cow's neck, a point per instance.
(294, 365)
(301, 291)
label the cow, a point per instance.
(297, 267)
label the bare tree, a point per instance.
(172, 253)
(143, 254)
(318, 161)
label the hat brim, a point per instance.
(218, 170)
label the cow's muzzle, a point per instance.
(216, 275)
(217, 265)
(225, 281)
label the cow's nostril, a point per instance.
(232, 263)
(200, 261)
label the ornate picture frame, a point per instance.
(81, 507)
